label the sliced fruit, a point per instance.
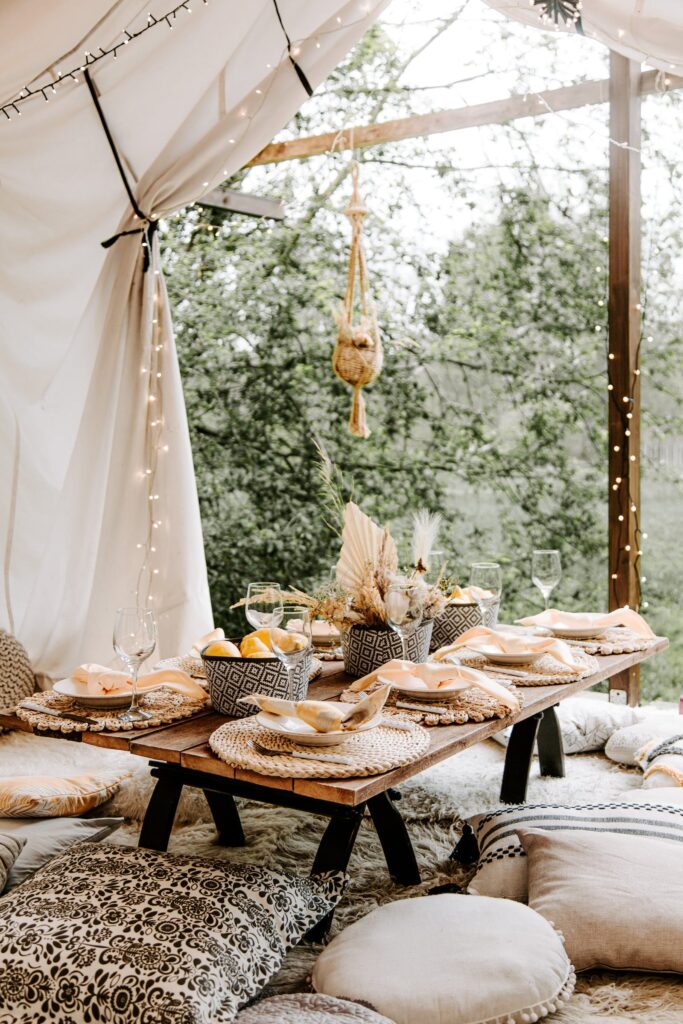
(222, 649)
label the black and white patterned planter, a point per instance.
(366, 648)
(457, 619)
(232, 678)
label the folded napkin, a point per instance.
(469, 595)
(199, 645)
(555, 619)
(430, 676)
(100, 680)
(323, 715)
(480, 639)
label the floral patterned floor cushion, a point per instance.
(117, 934)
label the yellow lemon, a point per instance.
(263, 635)
(289, 641)
(253, 647)
(222, 649)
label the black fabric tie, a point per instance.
(149, 224)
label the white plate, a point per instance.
(79, 692)
(425, 695)
(497, 657)
(577, 634)
(306, 735)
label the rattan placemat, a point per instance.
(617, 640)
(471, 705)
(544, 672)
(371, 753)
(166, 706)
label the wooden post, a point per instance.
(624, 350)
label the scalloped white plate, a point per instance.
(306, 735)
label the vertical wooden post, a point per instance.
(624, 350)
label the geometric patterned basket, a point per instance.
(457, 618)
(367, 648)
(232, 678)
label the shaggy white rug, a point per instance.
(433, 805)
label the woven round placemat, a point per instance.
(617, 640)
(544, 672)
(166, 706)
(371, 753)
(471, 705)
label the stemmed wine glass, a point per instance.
(487, 578)
(404, 606)
(135, 637)
(291, 642)
(264, 605)
(546, 571)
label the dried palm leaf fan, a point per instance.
(358, 353)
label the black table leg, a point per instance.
(518, 759)
(226, 818)
(334, 853)
(160, 813)
(393, 835)
(550, 748)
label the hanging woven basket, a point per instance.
(358, 355)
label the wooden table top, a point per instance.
(186, 743)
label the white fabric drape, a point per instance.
(649, 31)
(187, 108)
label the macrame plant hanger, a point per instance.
(358, 353)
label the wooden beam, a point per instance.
(624, 347)
(570, 97)
(244, 203)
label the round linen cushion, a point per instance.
(308, 1008)
(16, 675)
(450, 959)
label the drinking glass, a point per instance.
(291, 639)
(488, 578)
(404, 606)
(135, 637)
(546, 571)
(264, 605)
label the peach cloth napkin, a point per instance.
(555, 619)
(430, 676)
(479, 638)
(102, 680)
(468, 595)
(199, 645)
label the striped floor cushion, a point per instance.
(502, 866)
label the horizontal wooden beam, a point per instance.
(570, 97)
(244, 203)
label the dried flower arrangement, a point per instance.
(367, 566)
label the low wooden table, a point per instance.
(180, 756)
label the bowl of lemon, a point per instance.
(236, 670)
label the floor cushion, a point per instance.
(309, 1008)
(662, 762)
(103, 931)
(586, 723)
(10, 848)
(44, 796)
(449, 959)
(46, 838)
(665, 795)
(502, 866)
(624, 744)
(616, 898)
(16, 675)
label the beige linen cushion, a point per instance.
(308, 1008)
(42, 796)
(502, 865)
(10, 848)
(617, 899)
(449, 960)
(665, 795)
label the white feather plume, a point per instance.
(426, 526)
(361, 545)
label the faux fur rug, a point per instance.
(433, 805)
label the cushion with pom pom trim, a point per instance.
(449, 959)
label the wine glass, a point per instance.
(291, 640)
(264, 605)
(135, 637)
(404, 606)
(487, 580)
(546, 571)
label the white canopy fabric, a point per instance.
(98, 505)
(649, 31)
